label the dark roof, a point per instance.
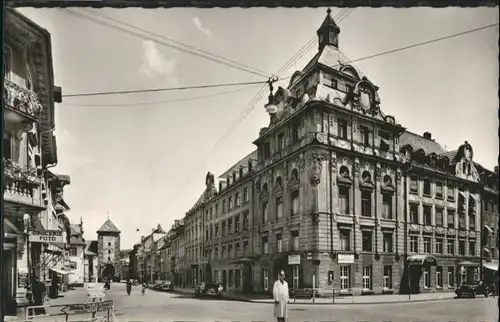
(77, 241)
(328, 20)
(91, 248)
(419, 142)
(108, 227)
(242, 162)
(159, 230)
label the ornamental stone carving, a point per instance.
(316, 168)
(302, 163)
(333, 160)
(378, 173)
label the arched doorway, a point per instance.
(108, 272)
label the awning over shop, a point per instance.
(493, 265)
(422, 259)
(468, 263)
(62, 272)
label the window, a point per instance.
(109, 259)
(216, 210)
(73, 252)
(265, 249)
(366, 203)
(237, 223)
(216, 230)
(439, 190)
(295, 240)
(223, 252)
(109, 252)
(451, 276)
(245, 220)
(109, 243)
(7, 148)
(237, 277)
(461, 221)
(367, 277)
(295, 133)
(245, 195)
(281, 142)
(264, 212)
(223, 206)
(439, 245)
(427, 215)
(450, 192)
(230, 251)
(279, 207)
(329, 81)
(295, 274)
(345, 277)
(472, 248)
(295, 202)
(439, 276)
(342, 128)
(439, 216)
(387, 277)
(345, 239)
(427, 277)
(267, 150)
(427, 187)
(237, 200)
(414, 213)
(265, 275)
(344, 199)
(472, 221)
(461, 247)
(224, 229)
(413, 184)
(364, 135)
(427, 245)
(230, 203)
(387, 242)
(414, 244)
(367, 237)
(451, 247)
(387, 207)
(451, 218)
(279, 243)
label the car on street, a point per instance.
(167, 286)
(208, 289)
(472, 290)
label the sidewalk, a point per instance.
(365, 299)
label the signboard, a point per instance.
(46, 236)
(294, 259)
(345, 258)
(84, 308)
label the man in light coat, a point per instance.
(281, 296)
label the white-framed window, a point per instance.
(265, 278)
(295, 273)
(439, 245)
(237, 199)
(344, 199)
(387, 277)
(427, 245)
(367, 277)
(414, 244)
(295, 202)
(265, 215)
(387, 242)
(427, 277)
(295, 240)
(265, 245)
(345, 277)
(279, 207)
(439, 277)
(245, 195)
(279, 243)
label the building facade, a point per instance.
(77, 246)
(341, 197)
(91, 263)
(29, 149)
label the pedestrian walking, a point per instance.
(281, 296)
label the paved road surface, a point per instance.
(165, 307)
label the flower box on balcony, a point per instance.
(21, 99)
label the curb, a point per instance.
(330, 303)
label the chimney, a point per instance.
(427, 135)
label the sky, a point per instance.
(145, 164)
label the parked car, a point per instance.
(158, 285)
(472, 290)
(167, 286)
(208, 289)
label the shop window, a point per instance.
(345, 277)
(451, 276)
(367, 278)
(388, 277)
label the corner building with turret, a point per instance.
(340, 195)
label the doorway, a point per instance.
(224, 280)
(415, 272)
(247, 278)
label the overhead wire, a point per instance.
(176, 44)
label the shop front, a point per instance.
(468, 272)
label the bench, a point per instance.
(302, 294)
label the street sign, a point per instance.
(83, 308)
(294, 259)
(46, 236)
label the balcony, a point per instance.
(22, 188)
(21, 100)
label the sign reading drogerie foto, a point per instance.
(46, 236)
